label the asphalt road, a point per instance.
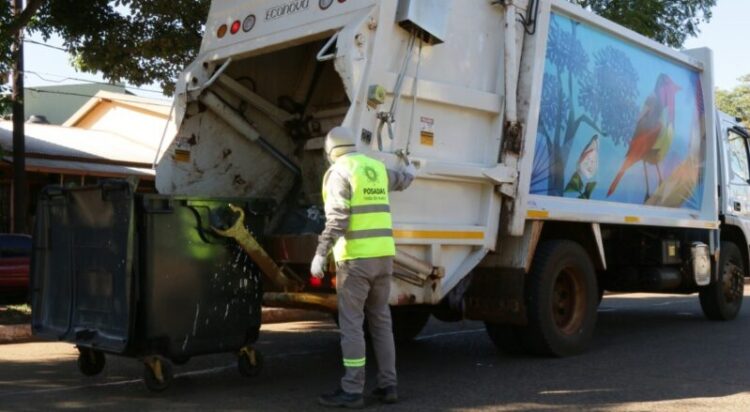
(649, 353)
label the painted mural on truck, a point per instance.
(617, 123)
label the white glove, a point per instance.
(318, 266)
(410, 170)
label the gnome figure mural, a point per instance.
(588, 163)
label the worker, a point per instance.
(358, 229)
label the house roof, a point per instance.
(158, 107)
(79, 151)
(58, 103)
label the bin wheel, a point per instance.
(249, 362)
(90, 362)
(157, 373)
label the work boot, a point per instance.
(387, 394)
(341, 399)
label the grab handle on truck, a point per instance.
(385, 119)
(322, 57)
(213, 78)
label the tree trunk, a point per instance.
(20, 195)
(557, 174)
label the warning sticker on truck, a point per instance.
(427, 131)
(182, 150)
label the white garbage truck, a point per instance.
(559, 156)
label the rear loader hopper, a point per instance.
(252, 115)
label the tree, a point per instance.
(9, 27)
(666, 21)
(11, 24)
(736, 102)
(141, 41)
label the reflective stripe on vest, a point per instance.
(370, 233)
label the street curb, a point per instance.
(280, 315)
(15, 333)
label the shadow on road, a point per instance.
(649, 352)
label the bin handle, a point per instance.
(204, 232)
(167, 206)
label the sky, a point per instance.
(727, 34)
(47, 66)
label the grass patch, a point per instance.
(15, 314)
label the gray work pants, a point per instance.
(363, 287)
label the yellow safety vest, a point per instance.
(370, 232)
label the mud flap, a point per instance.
(496, 296)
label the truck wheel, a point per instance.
(405, 322)
(506, 338)
(561, 300)
(408, 322)
(180, 360)
(90, 362)
(722, 299)
(447, 315)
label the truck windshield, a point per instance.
(738, 159)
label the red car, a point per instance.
(15, 258)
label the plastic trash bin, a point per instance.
(143, 276)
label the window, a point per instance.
(738, 159)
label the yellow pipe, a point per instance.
(250, 245)
(319, 301)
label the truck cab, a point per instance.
(734, 175)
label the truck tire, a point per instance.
(722, 299)
(408, 322)
(561, 300)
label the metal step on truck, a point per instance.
(559, 156)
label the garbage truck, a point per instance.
(558, 156)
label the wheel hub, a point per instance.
(569, 302)
(733, 282)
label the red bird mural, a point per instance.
(654, 132)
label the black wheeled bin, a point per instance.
(144, 276)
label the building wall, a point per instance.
(136, 124)
(58, 103)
